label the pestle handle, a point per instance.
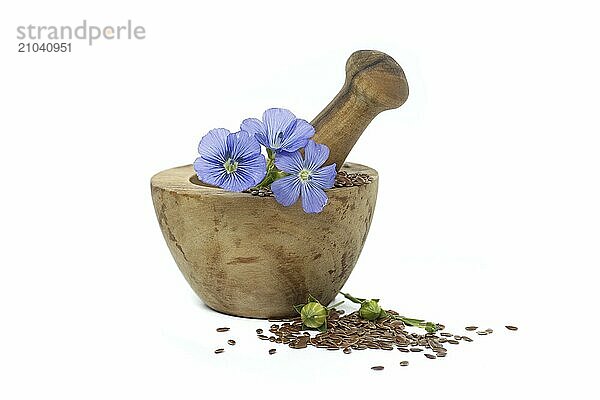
(374, 83)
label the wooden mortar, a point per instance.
(249, 256)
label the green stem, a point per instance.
(335, 305)
(273, 173)
(417, 323)
(269, 177)
(352, 298)
(410, 321)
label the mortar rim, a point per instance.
(178, 179)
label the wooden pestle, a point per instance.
(374, 83)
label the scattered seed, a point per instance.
(403, 363)
(219, 351)
(403, 349)
(467, 339)
(489, 330)
(446, 334)
(300, 343)
(347, 350)
(511, 328)
(471, 328)
(259, 331)
(452, 341)
(416, 349)
(482, 333)
(377, 368)
(222, 329)
(430, 356)
(272, 351)
(231, 342)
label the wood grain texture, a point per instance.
(374, 83)
(249, 256)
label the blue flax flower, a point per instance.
(279, 130)
(232, 161)
(306, 177)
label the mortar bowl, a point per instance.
(249, 256)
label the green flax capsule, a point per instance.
(313, 314)
(370, 310)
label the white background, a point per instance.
(488, 209)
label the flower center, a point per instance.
(230, 165)
(304, 175)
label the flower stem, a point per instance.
(273, 173)
(270, 159)
(335, 305)
(418, 323)
(352, 298)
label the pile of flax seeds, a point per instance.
(350, 333)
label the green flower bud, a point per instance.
(313, 314)
(370, 310)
